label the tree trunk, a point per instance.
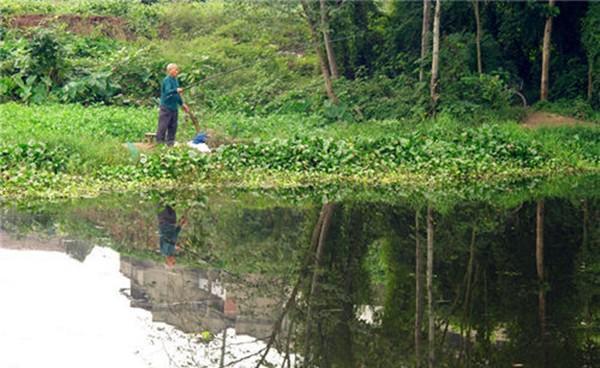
(539, 258)
(425, 37)
(478, 36)
(328, 47)
(546, 56)
(435, 61)
(418, 290)
(431, 358)
(322, 61)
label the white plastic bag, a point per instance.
(202, 147)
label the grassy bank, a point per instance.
(70, 150)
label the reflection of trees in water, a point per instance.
(486, 288)
(492, 304)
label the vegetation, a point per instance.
(78, 80)
(54, 145)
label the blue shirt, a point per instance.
(169, 97)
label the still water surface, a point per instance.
(223, 279)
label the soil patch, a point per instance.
(540, 118)
(87, 25)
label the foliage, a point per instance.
(250, 73)
(591, 42)
(257, 58)
(34, 156)
(45, 144)
(472, 96)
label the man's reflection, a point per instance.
(168, 230)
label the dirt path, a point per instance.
(546, 119)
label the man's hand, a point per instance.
(185, 108)
(180, 90)
(182, 221)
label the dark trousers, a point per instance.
(167, 126)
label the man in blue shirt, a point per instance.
(170, 100)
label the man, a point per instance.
(170, 100)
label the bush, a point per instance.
(381, 97)
(473, 97)
(35, 156)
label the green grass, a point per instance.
(95, 134)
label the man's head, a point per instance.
(172, 70)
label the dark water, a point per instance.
(514, 284)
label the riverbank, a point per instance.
(70, 151)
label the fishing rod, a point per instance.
(214, 76)
(306, 44)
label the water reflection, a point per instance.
(169, 229)
(358, 283)
(194, 299)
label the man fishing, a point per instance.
(170, 100)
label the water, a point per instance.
(328, 282)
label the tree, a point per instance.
(322, 60)
(478, 35)
(425, 36)
(435, 62)
(591, 43)
(327, 40)
(546, 52)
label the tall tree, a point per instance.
(591, 42)
(478, 35)
(425, 36)
(435, 61)
(431, 333)
(327, 40)
(322, 60)
(546, 53)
